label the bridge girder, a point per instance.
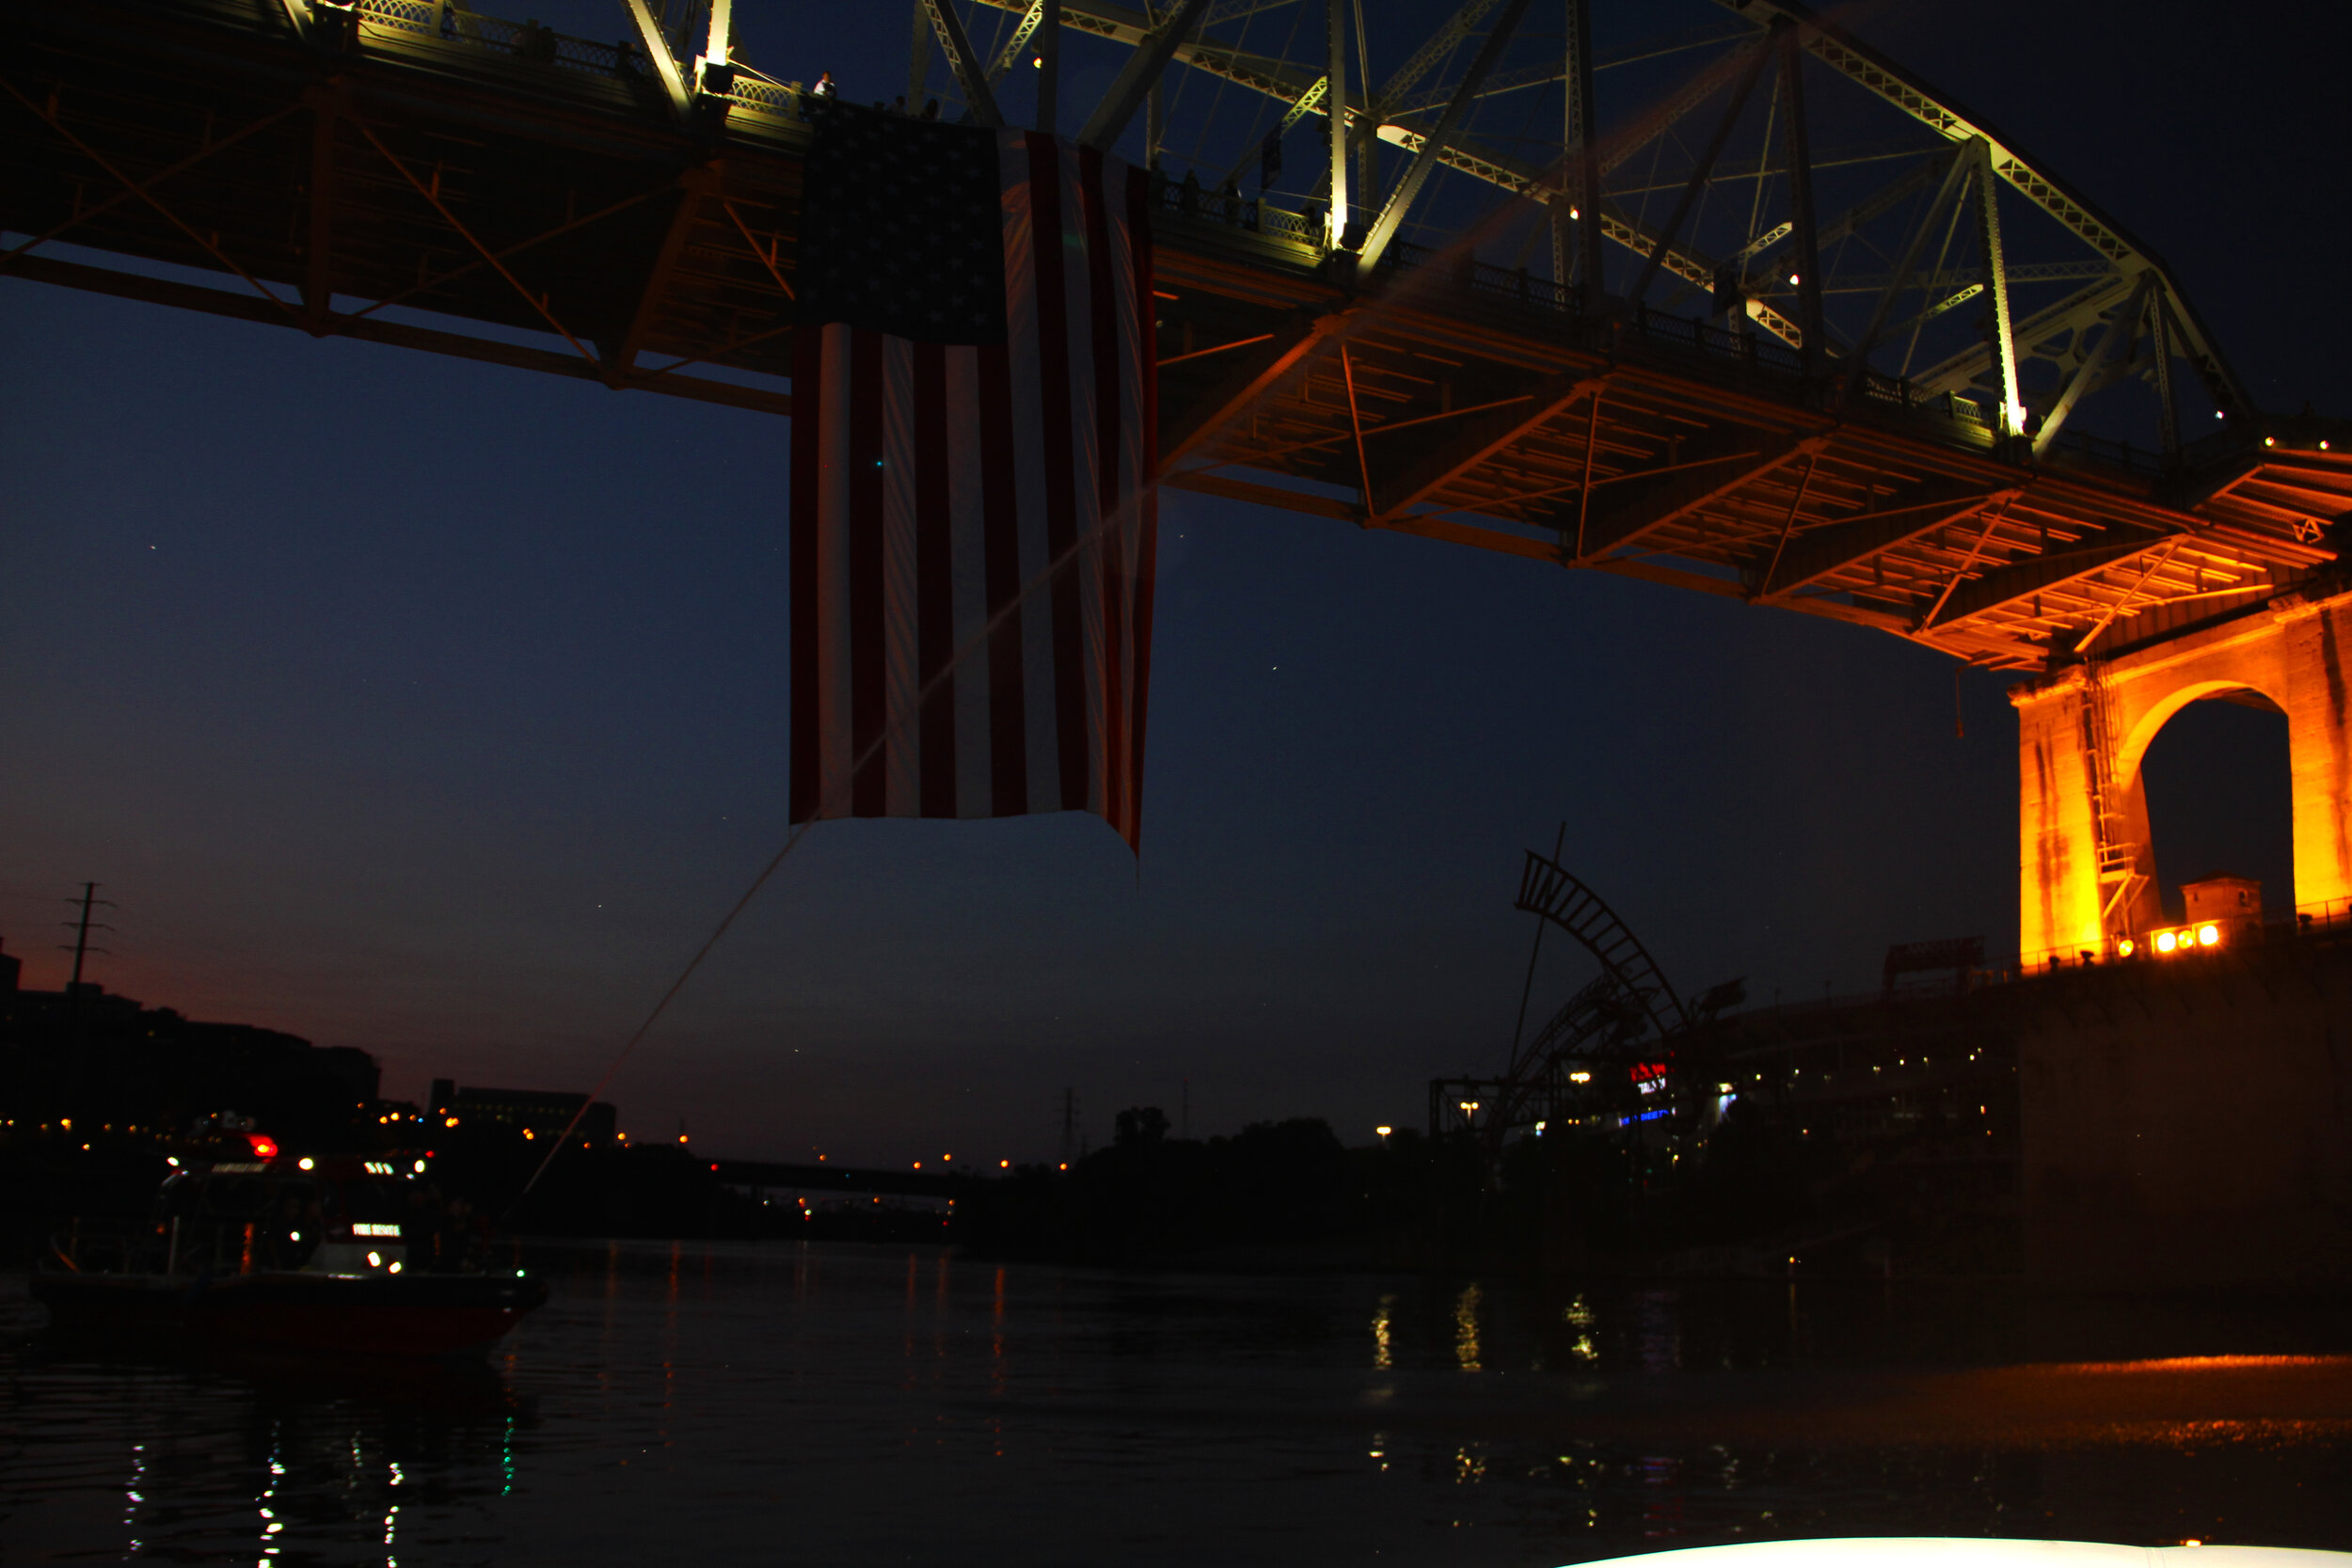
(494, 192)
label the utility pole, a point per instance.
(80, 949)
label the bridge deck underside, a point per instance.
(1542, 434)
(556, 215)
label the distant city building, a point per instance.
(83, 1052)
(542, 1113)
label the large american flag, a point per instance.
(973, 510)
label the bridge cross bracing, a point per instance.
(1751, 312)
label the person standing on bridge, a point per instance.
(825, 87)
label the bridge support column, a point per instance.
(2085, 864)
(2058, 909)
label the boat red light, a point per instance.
(263, 1147)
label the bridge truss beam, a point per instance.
(499, 193)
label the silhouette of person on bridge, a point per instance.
(825, 87)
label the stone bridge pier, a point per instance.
(2086, 866)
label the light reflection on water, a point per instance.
(865, 1405)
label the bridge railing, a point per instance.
(1230, 209)
(441, 21)
(1950, 417)
(779, 99)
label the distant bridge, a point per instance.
(1785, 325)
(828, 1178)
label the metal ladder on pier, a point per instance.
(2118, 855)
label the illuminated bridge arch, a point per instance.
(2087, 864)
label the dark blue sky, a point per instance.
(439, 709)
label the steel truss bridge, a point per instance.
(1743, 307)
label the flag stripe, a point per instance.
(833, 572)
(902, 590)
(974, 742)
(869, 652)
(1146, 450)
(1056, 436)
(808, 359)
(935, 574)
(1110, 387)
(1007, 696)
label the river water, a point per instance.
(860, 1405)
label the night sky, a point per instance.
(439, 709)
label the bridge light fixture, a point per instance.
(2125, 948)
(2270, 440)
(2208, 935)
(2166, 941)
(1580, 1077)
(1384, 1131)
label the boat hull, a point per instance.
(318, 1314)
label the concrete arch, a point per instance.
(2087, 870)
(2134, 748)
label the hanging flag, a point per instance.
(973, 423)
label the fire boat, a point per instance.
(315, 1255)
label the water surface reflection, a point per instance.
(864, 1405)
